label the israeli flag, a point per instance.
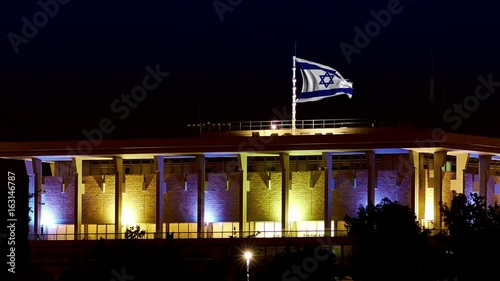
(321, 81)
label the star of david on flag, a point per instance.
(321, 81)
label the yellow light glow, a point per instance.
(295, 213)
(128, 217)
(429, 204)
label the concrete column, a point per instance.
(53, 169)
(422, 188)
(327, 217)
(200, 164)
(286, 186)
(119, 189)
(414, 171)
(79, 191)
(462, 162)
(372, 177)
(160, 190)
(244, 188)
(484, 167)
(439, 161)
(37, 199)
(28, 164)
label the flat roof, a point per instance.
(223, 144)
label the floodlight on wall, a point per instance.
(227, 181)
(269, 181)
(354, 180)
(103, 182)
(64, 185)
(185, 182)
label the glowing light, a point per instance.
(273, 126)
(47, 218)
(248, 255)
(295, 214)
(429, 204)
(209, 217)
(128, 217)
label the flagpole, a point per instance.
(294, 88)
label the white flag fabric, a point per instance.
(320, 81)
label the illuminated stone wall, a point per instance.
(181, 205)
(446, 188)
(58, 205)
(492, 197)
(469, 187)
(139, 205)
(264, 204)
(306, 202)
(347, 197)
(387, 186)
(98, 206)
(495, 180)
(221, 203)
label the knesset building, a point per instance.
(262, 182)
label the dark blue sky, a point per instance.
(66, 77)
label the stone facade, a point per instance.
(222, 201)
(59, 202)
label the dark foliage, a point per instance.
(134, 232)
(390, 244)
(474, 231)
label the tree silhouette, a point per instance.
(134, 232)
(474, 228)
(389, 243)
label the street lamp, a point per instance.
(248, 256)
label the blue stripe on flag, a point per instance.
(309, 66)
(325, 93)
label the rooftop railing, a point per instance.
(285, 124)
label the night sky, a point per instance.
(231, 60)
